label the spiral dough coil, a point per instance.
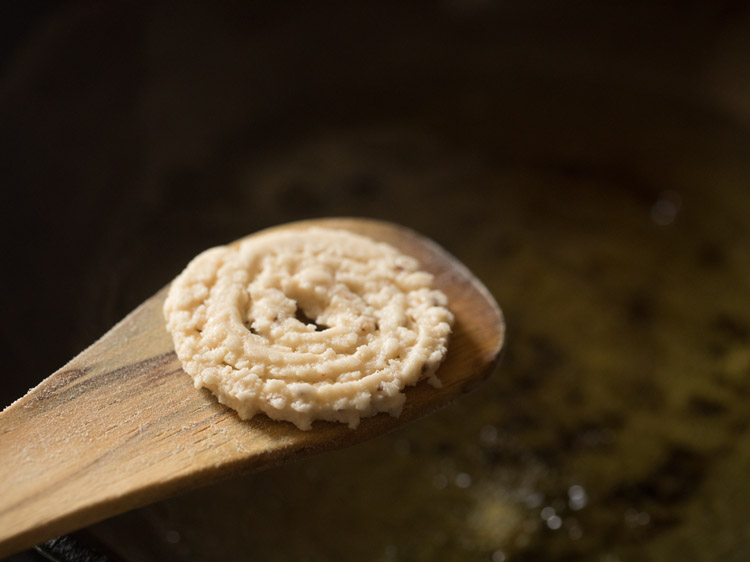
(309, 324)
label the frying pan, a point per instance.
(588, 162)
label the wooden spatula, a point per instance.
(121, 425)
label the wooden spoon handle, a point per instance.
(117, 427)
(64, 442)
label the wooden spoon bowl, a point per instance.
(121, 425)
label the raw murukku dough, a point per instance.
(309, 324)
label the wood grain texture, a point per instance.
(121, 425)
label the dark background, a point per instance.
(587, 160)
